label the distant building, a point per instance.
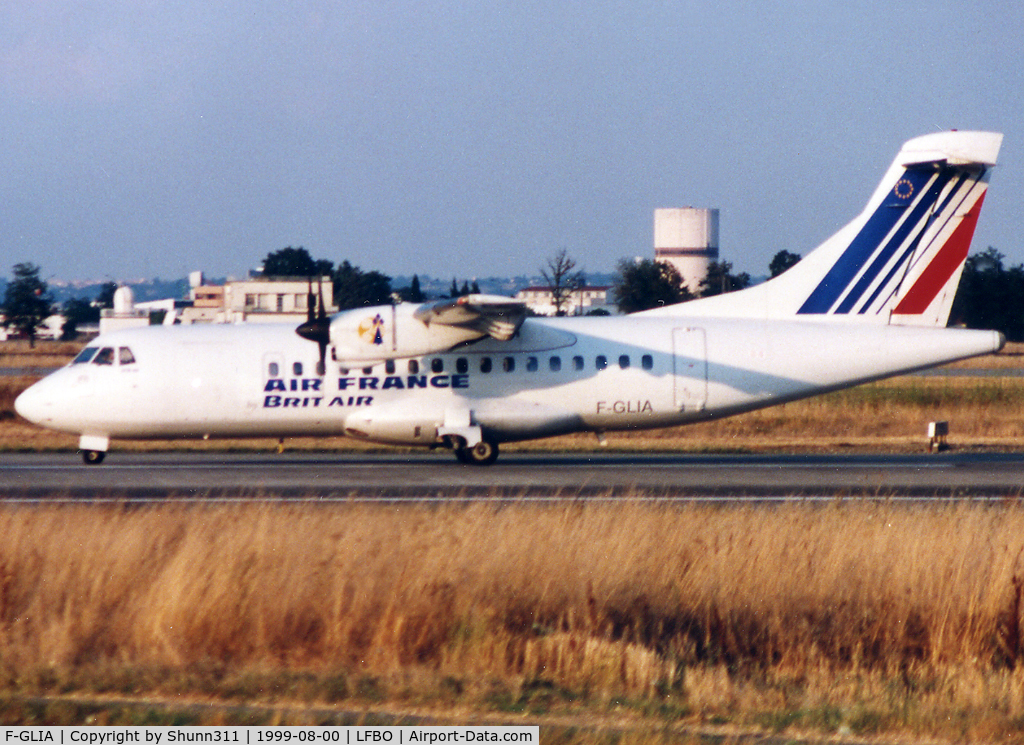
(541, 300)
(258, 299)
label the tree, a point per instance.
(354, 288)
(990, 296)
(77, 311)
(562, 279)
(295, 262)
(105, 298)
(782, 261)
(466, 289)
(647, 283)
(720, 280)
(27, 303)
(412, 293)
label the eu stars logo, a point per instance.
(904, 189)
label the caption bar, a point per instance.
(111, 735)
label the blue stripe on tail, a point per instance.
(866, 243)
(915, 220)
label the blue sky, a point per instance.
(143, 138)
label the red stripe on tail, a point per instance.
(937, 273)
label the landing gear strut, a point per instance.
(93, 457)
(484, 453)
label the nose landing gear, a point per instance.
(93, 457)
(93, 448)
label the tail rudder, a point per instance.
(905, 262)
(897, 262)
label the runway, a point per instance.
(324, 476)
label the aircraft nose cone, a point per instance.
(32, 404)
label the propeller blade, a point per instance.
(317, 327)
(310, 302)
(321, 368)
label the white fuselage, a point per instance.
(556, 376)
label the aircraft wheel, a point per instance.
(93, 457)
(484, 453)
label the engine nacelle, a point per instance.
(382, 332)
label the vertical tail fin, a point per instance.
(900, 260)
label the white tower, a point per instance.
(124, 301)
(124, 314)
(687, 238)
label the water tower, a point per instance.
(687, 238)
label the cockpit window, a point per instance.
(127, 358)
(105, 357)
(84, 356)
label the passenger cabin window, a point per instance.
(531, 364)
(414, 367)
(104, 357)
(437, 365)
(555, 363)
(273, 370)
(623, 361)
(647, 362)
(485, 364)
(127, 358)
(577, 363)
(389, 367)
(84, 356)
(601, 362)
(368, 370)
(462, 365)
(297, 369)
(508, 364)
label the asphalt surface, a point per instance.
(204, 476)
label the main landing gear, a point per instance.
(484, 453)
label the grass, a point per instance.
(855, 617)
(858, 619)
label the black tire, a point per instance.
(93, 457)
(484, 453)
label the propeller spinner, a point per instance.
(317, 327)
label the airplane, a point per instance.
(476, 372)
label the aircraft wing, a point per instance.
(493, 315)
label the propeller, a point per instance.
(317, 326)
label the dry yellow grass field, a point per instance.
(846, 618)
(851, 617)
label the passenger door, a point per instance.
(689, 350)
